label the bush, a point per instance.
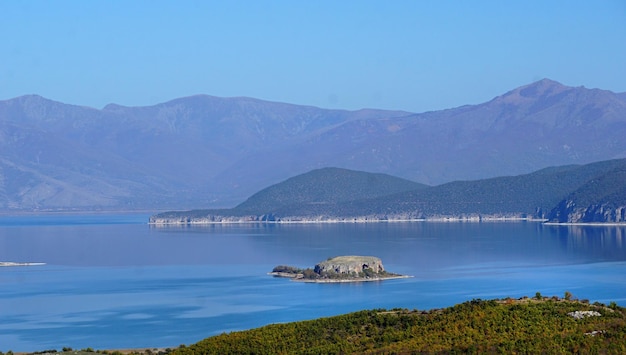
(287, 269)
(310, 274)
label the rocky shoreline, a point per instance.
(213, 220)
(299, 278)
(265, 219)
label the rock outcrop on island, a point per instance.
(351, 268)
(350, 265)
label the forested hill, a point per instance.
(532, 195)
(338, 194)
(602, 199)
(326, 186)
(524, 326)
(318, 189)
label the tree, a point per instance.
(309, 274)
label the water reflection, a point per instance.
(426, 245)
(592, 243)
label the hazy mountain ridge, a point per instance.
(204, 151)
(163, 155)
(327, 195)
(539, 125)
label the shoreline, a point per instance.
(423, 220)
(356, 220)
(295, 278)
(330, 281)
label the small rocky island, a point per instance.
(11, 263)
(349, 268)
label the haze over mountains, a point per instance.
(203, 151)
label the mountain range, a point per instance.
(210, 152)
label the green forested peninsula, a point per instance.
(575, 193)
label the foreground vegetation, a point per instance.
(506, 326)
(526, 325)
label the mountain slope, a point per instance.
(527, 195)
(532, 127)
(204, 151)
(326, 186)
(146, 157)
(317, 189)
(602, 199)
(536, 126)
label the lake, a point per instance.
(112, 281)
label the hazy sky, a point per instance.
(410, 55)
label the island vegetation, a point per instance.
(537, 325)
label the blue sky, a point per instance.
(409, 55)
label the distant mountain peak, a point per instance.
(31, 98)
(538, 89)
(545, 82)
(541, 88)
(113, 107)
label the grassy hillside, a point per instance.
(505, 326)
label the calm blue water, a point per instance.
(112, 281)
